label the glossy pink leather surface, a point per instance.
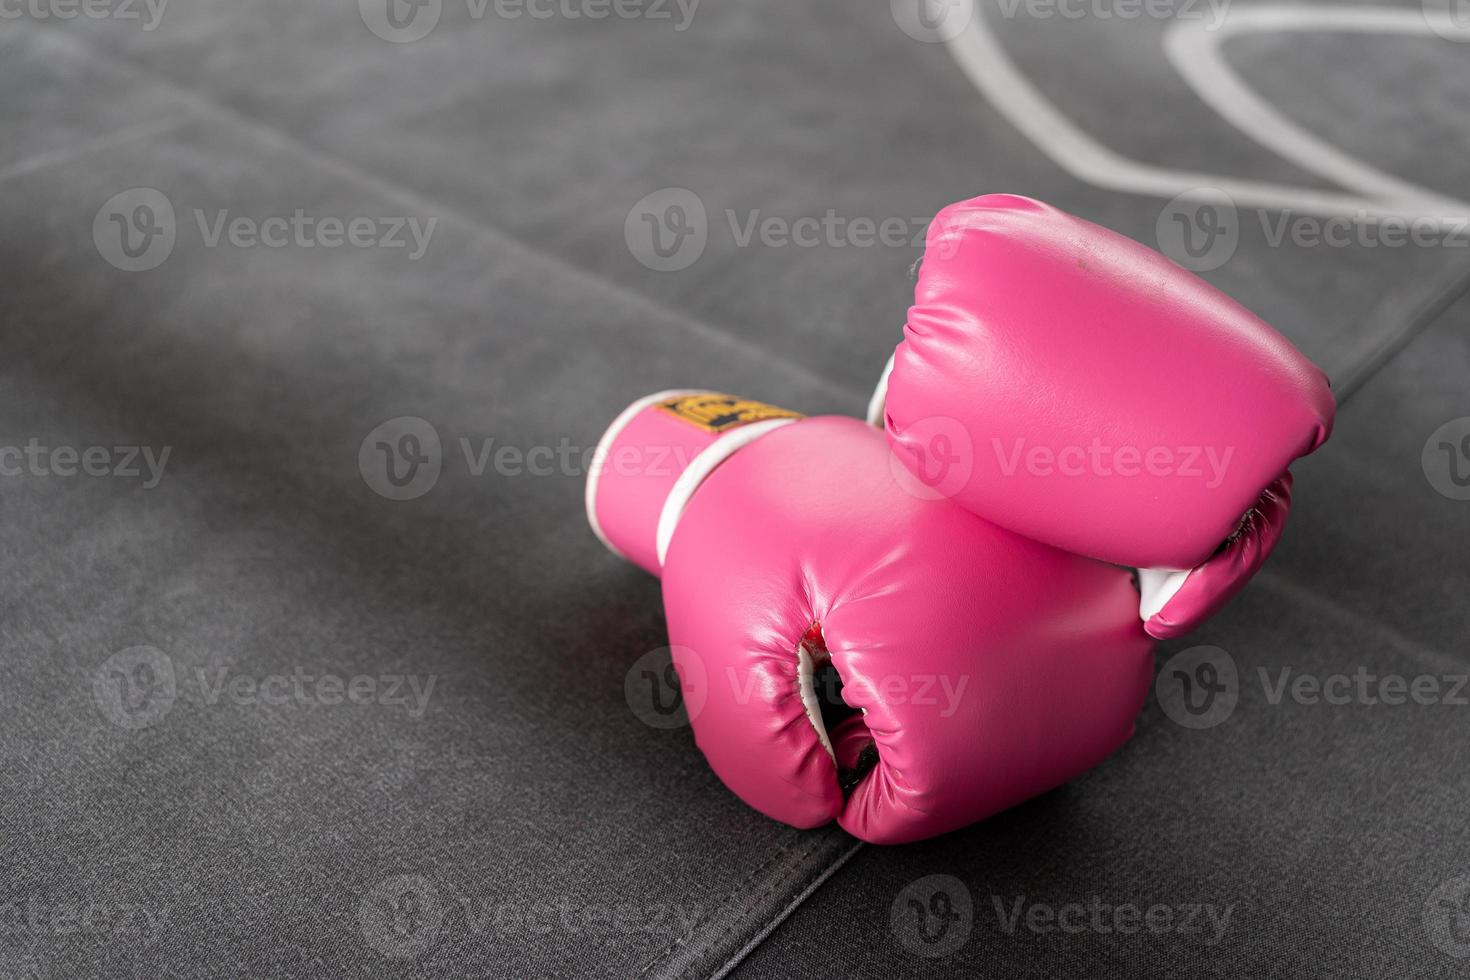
(639, 468)
(1046, 339)
(991, 667)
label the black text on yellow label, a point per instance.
(715, 412)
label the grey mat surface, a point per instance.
(183, 796)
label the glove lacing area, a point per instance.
(1224, 573)
(821, 696)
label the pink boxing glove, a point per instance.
(1076, 387)
(977, 668)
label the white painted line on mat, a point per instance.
(1196, 55)
(980, 55)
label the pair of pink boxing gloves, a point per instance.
(1077, 446)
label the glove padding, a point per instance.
(1104, 400)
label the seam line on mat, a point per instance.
(750, 902)
(663, 955)
(1356, 379)
(785, 913)
(1399, 340)
(1395, 343)
(87, 146)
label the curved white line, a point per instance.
(1196, 54)
(980, 55)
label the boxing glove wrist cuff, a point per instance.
(654, 456)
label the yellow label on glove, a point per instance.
(715, 412)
